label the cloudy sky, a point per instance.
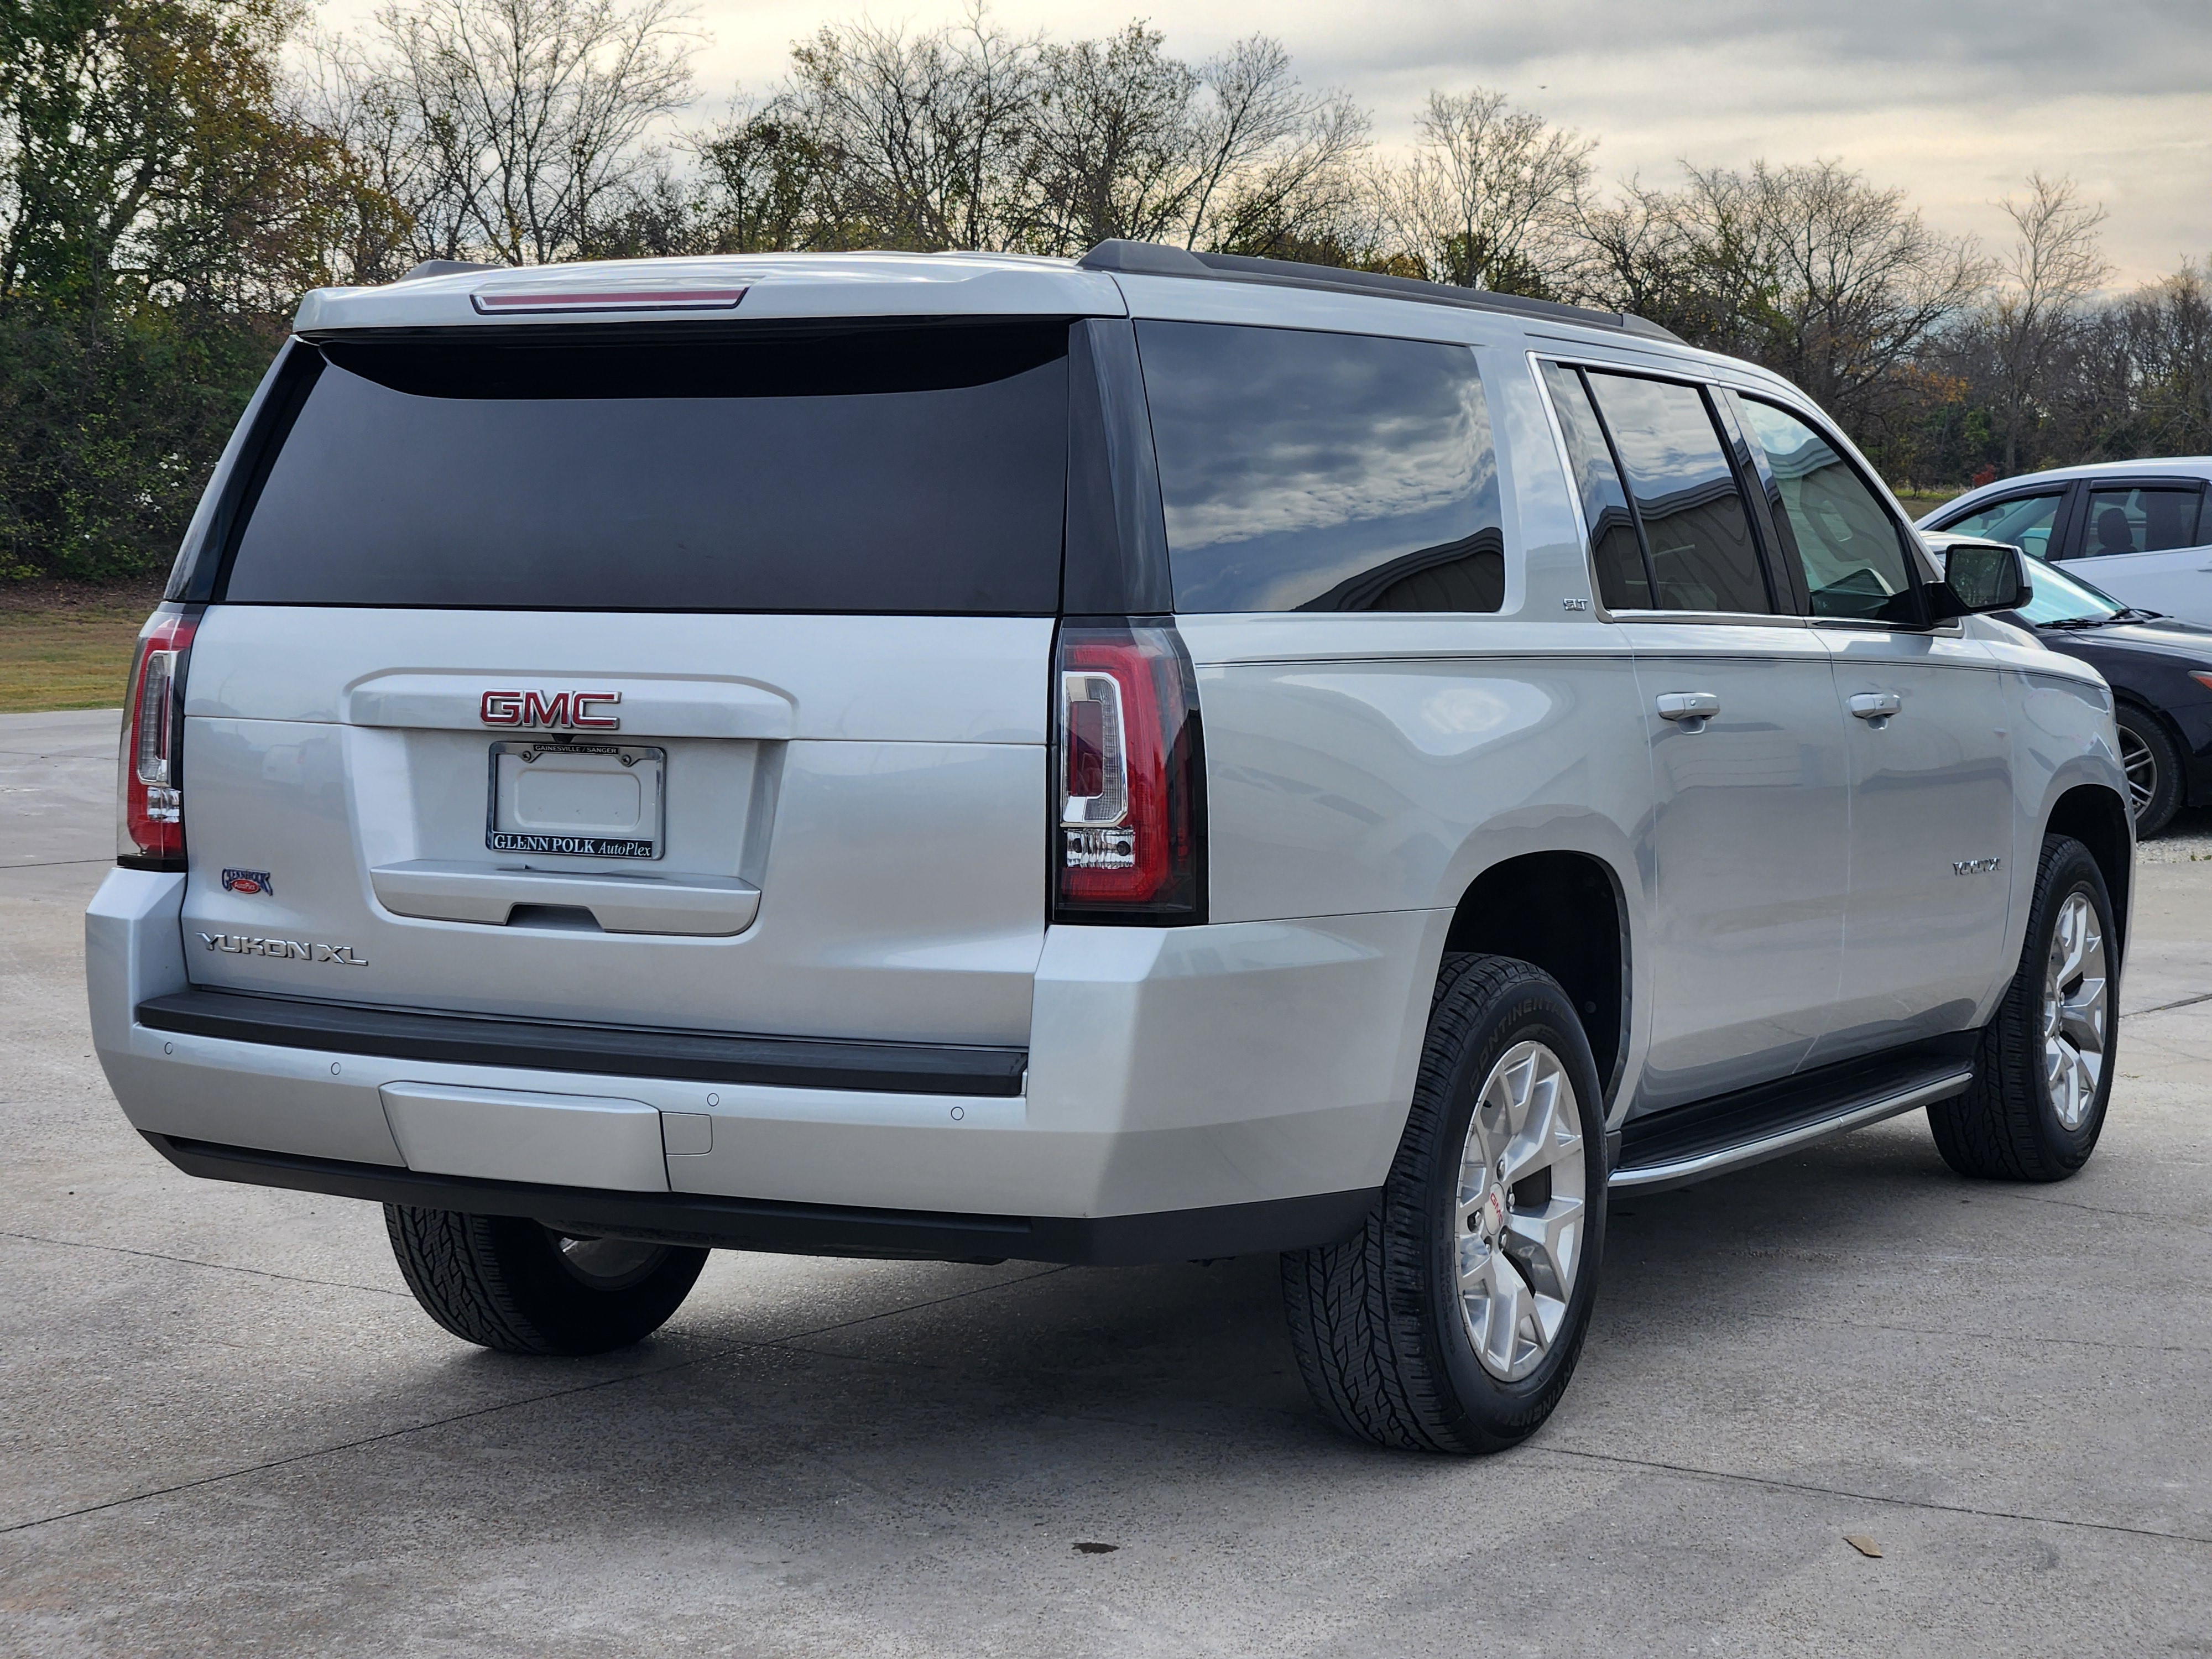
(1957, 101)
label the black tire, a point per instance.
(1376, 1320)
(505, 1282)
(2154, 766)
(2006, 1126)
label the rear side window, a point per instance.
(1622, 584)
(1309, 471)
(1696, 529)
(2139, 521)
(1851, 549)
(886, 469)
(2026, 521)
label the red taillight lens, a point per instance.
(1128, 777)
(149, 829)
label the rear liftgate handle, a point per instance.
(1689, 709)
(1875, 707)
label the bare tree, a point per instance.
(1490, 196)
(1270, 161)
(1816, 272)
(916, 136)
(529, 117)
(1110, 154)
(2054, 263)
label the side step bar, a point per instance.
(1692, 1143)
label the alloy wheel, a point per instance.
(2141, 763)
(2075, 1010)
(1518, 1225)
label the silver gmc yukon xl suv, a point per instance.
(1158, 756)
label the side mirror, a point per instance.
(1978, 577)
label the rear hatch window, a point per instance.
(872, 469)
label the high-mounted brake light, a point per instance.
(1129, 777)
(494, 303)
(149, 828)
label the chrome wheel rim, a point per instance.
(2075, 1008)
(1518, 1226)
(607, 1264)
(2140, 765)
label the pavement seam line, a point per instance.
(2163, 1008)
(1778, 1485)
(190, 1261)
(722, 1352)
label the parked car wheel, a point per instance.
(2044, 1072)
(505, 1282)
(1452, 1320)
(2154, 768)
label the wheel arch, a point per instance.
(2097, 818)
(1566, 913)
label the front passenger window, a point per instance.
(1851, 550)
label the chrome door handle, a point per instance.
(1876, 705)
(1689, 705)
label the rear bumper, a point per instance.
(808, 1228)
(1186, 1091)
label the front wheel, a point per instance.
(1452, 1321)
(2043, 1075)
(505, 1282)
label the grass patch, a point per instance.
(72, 659)
(1919, 505)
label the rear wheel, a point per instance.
(2154, 768)
(2043, 1073)
(505, 1282)
(1452, 1321)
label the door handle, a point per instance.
(1689, 705)
(1876, 707)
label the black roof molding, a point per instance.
(1156, 260)
(445, 268)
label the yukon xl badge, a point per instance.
(296, 949)
(246, 881)
(559, 710)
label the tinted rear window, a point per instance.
(1302, 470)
(869, 470)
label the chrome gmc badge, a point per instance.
(555, 711)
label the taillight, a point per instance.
(1128, 777)
(149, 828)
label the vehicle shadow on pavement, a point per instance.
(953, 1353)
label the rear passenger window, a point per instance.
(1696, 530)
(1622, 584)
(2139, 521)
(1851, 549)
(1308, 472)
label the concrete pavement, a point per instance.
(226, 1428)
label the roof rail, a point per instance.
(1157, 259)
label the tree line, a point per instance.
(174, 173)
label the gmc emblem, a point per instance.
(571, 709)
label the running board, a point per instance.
(1674, 1148)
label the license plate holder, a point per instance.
(591, 801)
